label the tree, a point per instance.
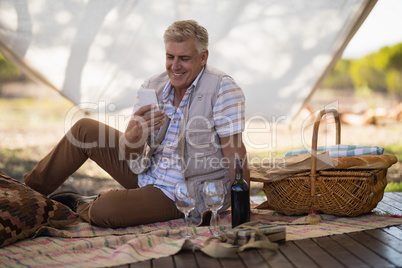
(378, 71)
(394, 83)
(394, 71)
(339, 77)
(369, 72)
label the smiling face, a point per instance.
(184, 63)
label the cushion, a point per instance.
(23, 211)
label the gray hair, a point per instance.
(183, 30)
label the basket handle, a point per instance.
(317, 121)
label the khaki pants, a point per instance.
(116, 208)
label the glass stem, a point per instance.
(187, 225)
(215, 222)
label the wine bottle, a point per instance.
(240, 197)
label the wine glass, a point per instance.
(185, 202)
(214, 195)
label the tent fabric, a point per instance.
(99, 51)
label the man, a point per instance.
(195, 136)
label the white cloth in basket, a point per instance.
(341, 150)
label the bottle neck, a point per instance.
(239, 170)
(239, 177)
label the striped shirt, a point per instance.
(229, 118)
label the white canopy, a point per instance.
(94, 51)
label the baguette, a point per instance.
(365, 161)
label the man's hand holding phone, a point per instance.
(149, 109)
(146, 119)
(149, 102)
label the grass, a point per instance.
(28, 112)
(15, 162)
(29, 129)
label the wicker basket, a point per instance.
(336, 192)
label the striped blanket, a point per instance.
(83, 245)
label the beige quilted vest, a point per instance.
(199, 145)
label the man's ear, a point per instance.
(204, 57)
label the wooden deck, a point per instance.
(373, 248)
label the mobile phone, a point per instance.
(148, 96)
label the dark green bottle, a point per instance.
(240, 197)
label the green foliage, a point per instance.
(8, 71)
(394, 187)
(368, 72)
(379, 71)
(394, 82)
(395, 57)
(395, 149)
(339, 78)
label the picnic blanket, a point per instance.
(83, 245)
